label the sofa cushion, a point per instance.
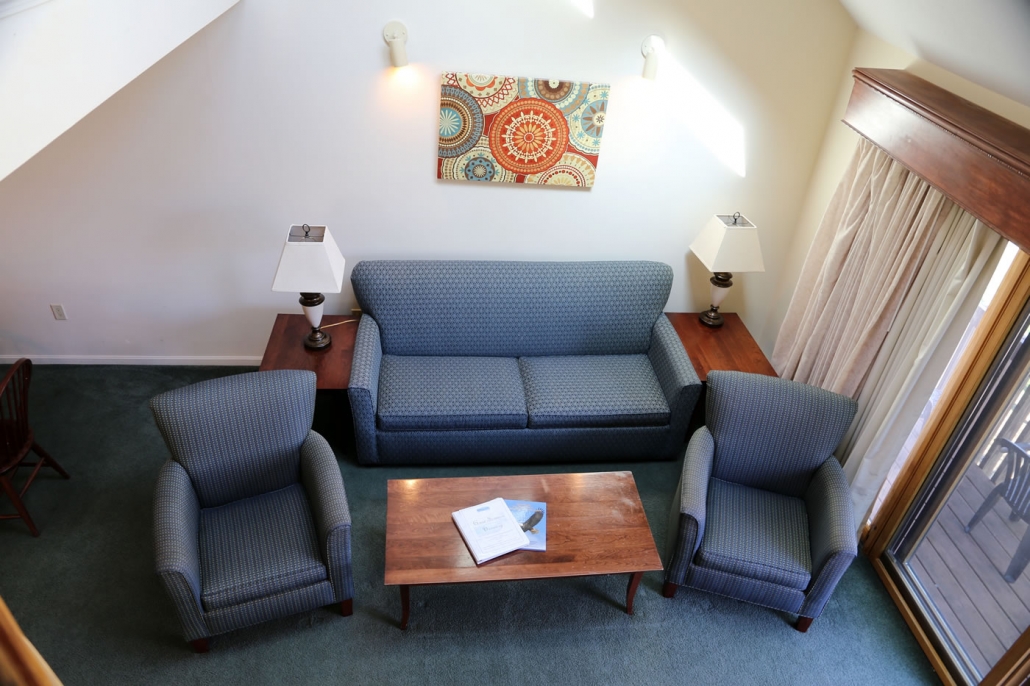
(450, 393)
(592, 391)
(258, 547)
(756, 534)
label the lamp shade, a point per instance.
(311, 262)
(725, 246)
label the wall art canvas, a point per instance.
(505, 129)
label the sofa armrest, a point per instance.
(832, 533)
(689, 507)
(363, 390)
(675, 373)
(320, 474)
(176, 546)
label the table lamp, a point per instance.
(311, 264)
(728, 243)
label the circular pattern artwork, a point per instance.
(478, 164)
(587, 123)
(503, 129)
(565, 95)
(571, 170)
(461, 122)
(528, 135)
(491, 92)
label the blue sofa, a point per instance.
(467, 361)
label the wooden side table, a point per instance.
(286, 350)
(729, 347)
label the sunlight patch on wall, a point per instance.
(584, 6)
(691, 105)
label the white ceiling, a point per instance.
(984, 41)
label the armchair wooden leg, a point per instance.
(804, 623)
(669, 589)
(347, 607)
(200, 645)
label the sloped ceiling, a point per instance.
(60, 59)
(984, 41)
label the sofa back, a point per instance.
(511, 309)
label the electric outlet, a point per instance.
(59, 313)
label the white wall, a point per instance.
(61, 59)
(839, 144)
(158, 220)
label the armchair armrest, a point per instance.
(320, 475)
(689, 507)
(363, 391)
(176, 528)
(675, 373)
(832, 533)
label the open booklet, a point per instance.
(490, 530)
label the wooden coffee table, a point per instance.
(595, 525)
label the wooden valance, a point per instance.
(975, 157)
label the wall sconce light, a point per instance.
(729, 242)
(651, 48)
(396, 36)
(311, 264)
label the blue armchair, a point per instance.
(250, 515)
(763, 512)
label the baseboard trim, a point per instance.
(155, 360)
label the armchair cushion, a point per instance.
(593, 391)
(258, 547)
(450, 393)
(756, 534)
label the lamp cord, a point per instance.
(345, 321)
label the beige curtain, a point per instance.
(868, 249)
(894, 275)
(928, 328)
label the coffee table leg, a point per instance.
(405, 606)
(631, 590)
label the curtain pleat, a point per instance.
(865, 255)
(930, 323)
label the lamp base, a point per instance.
(312, 304)
(721, 282)
(317, 339)
(711, 317)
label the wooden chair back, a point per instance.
(15, 434)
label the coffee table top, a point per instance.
(595, 525)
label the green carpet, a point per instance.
(86, 594)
